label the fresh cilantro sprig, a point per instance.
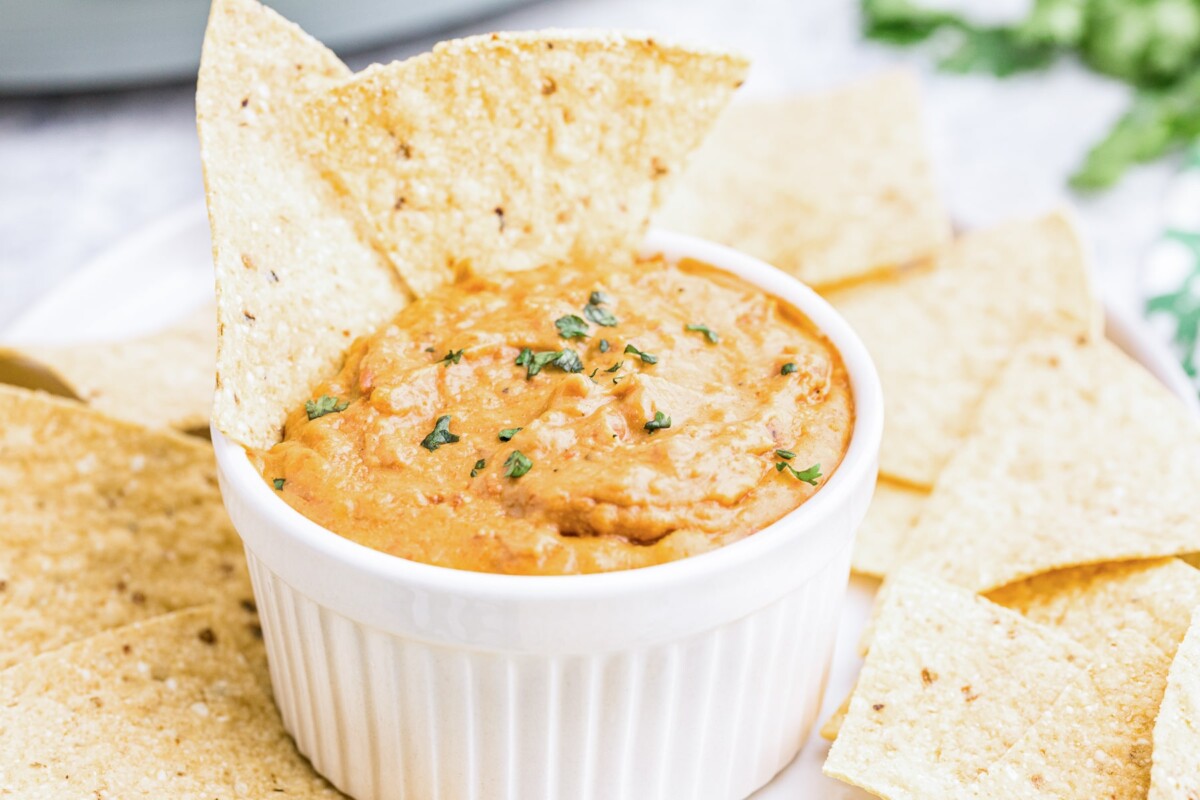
(647, 358)
(566, 359)
(440, 434)
(809, 475)
(660, 422)
(325, 405)
(517, 464)
(571, 326)
(708, 332)
(507, 434)
(1152, 44)
(478, 468)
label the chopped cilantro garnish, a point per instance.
(568, 361)
(708, 332)
(451, 357)
(659, 422)
(809, 475)
(479, 465)
(598, 315)
(324, 405)
(604, 345)
(598, 299)
(788, 454)
(571, 327)
(615, 366)
(508, 433)
(788, 368)
(592, 376)
(648, 358)
(440, 434)
(517, 464)
(279, 482)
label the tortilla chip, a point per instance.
(168, 707)
(1092, 604)
(102, 523)
(1095, 741)
(940, 334)
(828, 187)
(295, 284)
(161, 380)
(951, 683)
(1080, 456)
(833, 725)
(879, 543)
(1175, 774)
(518, 150)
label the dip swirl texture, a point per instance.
(658, 418)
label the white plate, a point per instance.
(162, 273)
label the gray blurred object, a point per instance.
(61, 45)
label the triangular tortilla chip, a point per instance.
(951, 683)
(1095, 741)
(102, 523)
(828, 187)
(1079, 456)
(295, 283)
(940, 334)
(1175, 774)
(1093, 604)
(168, 707)
(518, 150)
(879, 543)
(161, 380)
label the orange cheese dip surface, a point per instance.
(621, 461)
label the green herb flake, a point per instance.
(507, 434)
(517, 464)
(598, 299)
(809, 475)
(479, 465)
(648, 358)
(788, 368)
(451, 357)
(571, 326)
(568, 361)
(604, 345)
(788, 454)
(659, 422)
(324, 405)
(440, 434)
(600, 316)
(278, 483)
(615, 366)
(708, 332)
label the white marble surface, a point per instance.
(78, 173)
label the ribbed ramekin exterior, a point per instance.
(714, 715)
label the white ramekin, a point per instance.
(695, 679)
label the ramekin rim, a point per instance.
(861, 454)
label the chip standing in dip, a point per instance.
(455, 372)
(569, 421)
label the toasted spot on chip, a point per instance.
(153, 709)
(164, 379)
(292, 270)
(940, 334)
(828, 187)
(105, 523)
(1079, 457)
(539, 124)
(997, 673)
(1174, 774)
